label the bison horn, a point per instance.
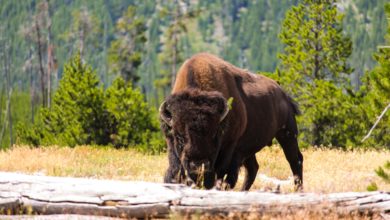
(224, 114)
(165, 114)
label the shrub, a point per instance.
(82, 113)
(130, 120)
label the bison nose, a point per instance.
(201, 164)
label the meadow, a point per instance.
(325, 170)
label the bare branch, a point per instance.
(377, 121)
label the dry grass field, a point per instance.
(324, 170)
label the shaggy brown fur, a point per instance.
(196, 136)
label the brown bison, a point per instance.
(209, 138)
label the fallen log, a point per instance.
(22, 194)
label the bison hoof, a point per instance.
(298, 184)
(298, 188)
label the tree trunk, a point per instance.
(317, 50)
(32, 89)
(4, 123)
(39, 45)
(175, 42)
(9, 92)
(1, 104)
(50, 55)
(81, 39)
(1, 97)
(27, 194)
(105, 44)
(6, 112)
(174, 59)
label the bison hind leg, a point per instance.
(288, 140)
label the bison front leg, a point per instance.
(175, 172)
(231, 174)
(228, 169)
(251, 167)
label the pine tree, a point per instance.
(78, 105)
(125, 53)
(314, 70)
(315, 46)
(77, 115)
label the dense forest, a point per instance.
(145, 42)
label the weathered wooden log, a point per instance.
(42, 195)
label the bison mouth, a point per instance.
(200, 180)
(200, 174)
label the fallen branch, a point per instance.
(29, 195)
(377, 121)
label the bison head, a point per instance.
(193, 120)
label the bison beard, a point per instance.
(209, 141)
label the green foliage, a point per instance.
(383, 173)
(126, 50)
(82, 113)
(372, 187)
(314, 70)
(315, 46)
(76, 115)
(21, 113)
(376, 86)
(326, 119)
(131, 121)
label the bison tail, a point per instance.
(294, 105)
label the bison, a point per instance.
(216, 119)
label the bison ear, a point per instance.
(165, 114)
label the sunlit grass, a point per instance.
(84, 161)
(324, 170)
